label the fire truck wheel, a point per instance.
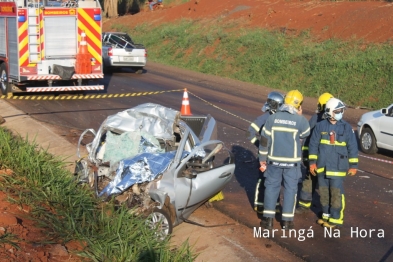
(4, 85)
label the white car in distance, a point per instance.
(119, 51)
(375, 130)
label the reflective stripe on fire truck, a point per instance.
(92, 29)
(74, 76)
(41, 36)
(23, 43)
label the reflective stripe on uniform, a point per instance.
(305, 132)
(262, 152)
(284, 129)
(353, 160)
(340, 220)
(257, 193)
(287, 215)
(285, 159)
(304, 148)
(336, 221)
(312, 157)
(305, 204)
(293, 208)
(253, 140)
(267, 132)
(335, 173)
(255, 126)
(288, 130)
(270, 212)
(336, 143)
(320, 170)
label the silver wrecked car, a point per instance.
(156, 162)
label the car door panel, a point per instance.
(385, 136)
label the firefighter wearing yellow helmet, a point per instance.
(309, 182)
(280, 155)
(333, 154)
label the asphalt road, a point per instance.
(234, 104)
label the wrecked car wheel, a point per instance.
(160, 221)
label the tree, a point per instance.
(110, 8)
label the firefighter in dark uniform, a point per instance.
(273, 102)
(281, 157)
(309, 182)
(333, 154)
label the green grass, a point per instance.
(361, 75)
(68, 212)
(7, 238)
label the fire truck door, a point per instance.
(13, 48)
(3, 43)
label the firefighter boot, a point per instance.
(304, 206)
(329, 225)
(321, 221)
(301, 210)
(287, 225)
(267, 222)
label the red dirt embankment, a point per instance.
(368, 20)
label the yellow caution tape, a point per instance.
(83, 97)
(219, 108)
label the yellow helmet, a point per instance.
(322, 100)
(294, 98)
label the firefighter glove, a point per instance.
(352, 171)
(313, 169)
(263, 166)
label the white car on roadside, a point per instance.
(119, 51)
(375, 130)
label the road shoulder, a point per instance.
(230, 242)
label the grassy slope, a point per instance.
(361, 75)
(67, 211)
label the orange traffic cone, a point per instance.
(185, 104)
(83, 63)
(83, 44)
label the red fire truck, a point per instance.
(40, 43)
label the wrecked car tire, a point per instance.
(160, 220)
